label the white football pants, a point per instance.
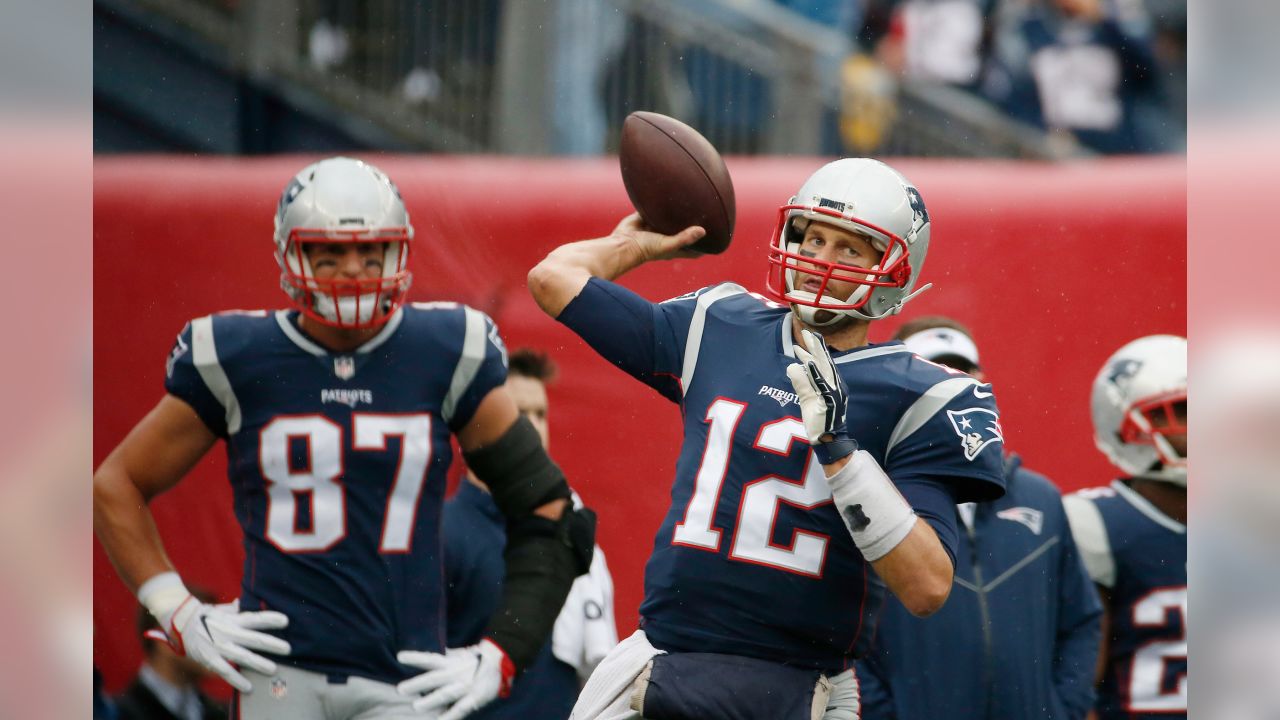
(296, 694)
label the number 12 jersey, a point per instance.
(752, 559)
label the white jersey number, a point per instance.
(758, 509)
(319, 482)
(1146, 692)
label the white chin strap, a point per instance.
(809, 315)
(344, 311)
(1172, 475)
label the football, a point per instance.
(676, 178)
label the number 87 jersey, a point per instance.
(337, 463)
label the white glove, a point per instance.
(823, 399)
(217, 635)
(462, 679)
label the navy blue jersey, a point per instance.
(475, 536)
(1140, 555)
(1018, 637)
(337, 463)
(752, 559)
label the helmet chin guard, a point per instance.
(341, 200)
(345, 302)
(862, 196)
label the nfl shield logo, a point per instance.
(279, 689)
(344, 366)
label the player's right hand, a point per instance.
(218, 635)
(656, 246)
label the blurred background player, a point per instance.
(764, 552)
(474, 539)
(1133, 533)
(1084, 67)
(337, 418)
(167, 686)
(1018, 638)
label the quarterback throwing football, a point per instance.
(810, 458)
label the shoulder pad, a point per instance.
(1090, 532)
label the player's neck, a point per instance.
(1168, 498)
(845, 336)
(334, 338)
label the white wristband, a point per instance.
(873, 510)
(162, 595)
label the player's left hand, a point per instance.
(462, 679)
(823, 399)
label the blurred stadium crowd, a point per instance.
(1017, 78)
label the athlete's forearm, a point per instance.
(918, 571)
(558, 279)
(125, 527)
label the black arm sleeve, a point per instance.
(542, 556)
(518, 471)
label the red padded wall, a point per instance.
(1053, 267)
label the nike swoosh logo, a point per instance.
(979, 394)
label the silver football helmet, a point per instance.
(341, 200)
(1139, 403)
(863, 196)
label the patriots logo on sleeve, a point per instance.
(977, 428)
(496, 339)
(179, 349)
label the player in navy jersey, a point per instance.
(474, 540)
(337, 418)
(809, 456)
(1133, 534)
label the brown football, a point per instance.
(675, 178)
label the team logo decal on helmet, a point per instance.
(862, 196)
(1139, 407)
(341, 200)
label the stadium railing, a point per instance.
(472, 76)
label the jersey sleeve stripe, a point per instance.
(925, 407)
(694, 343)
(1090, 533)
(468, 364)
(204, 354)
